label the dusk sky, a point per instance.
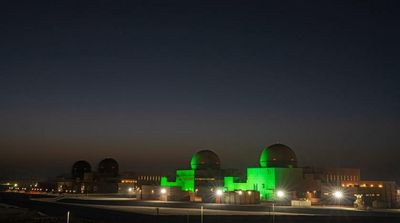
(151, 82)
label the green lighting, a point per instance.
(264, 157)
(259, 179)
(194, 161)
(266, 180)
(184, 180)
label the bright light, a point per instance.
(219, 192)
(240, 192)
(130, 189)
(338, 194)
(280, 194)
(15, 185)
(163, 191)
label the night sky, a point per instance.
(151, 82)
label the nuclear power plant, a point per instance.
(277, 178)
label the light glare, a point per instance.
(338, 194)
(219, 192)
(280, 194)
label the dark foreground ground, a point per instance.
(43, 212)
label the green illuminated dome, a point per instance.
(205, 159)
(278, 155)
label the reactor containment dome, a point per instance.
(108, 167)
(80, 168)
(278, 155)
(205, 159)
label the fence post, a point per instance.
(67, 216)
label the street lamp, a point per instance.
(338, 194)
(218, 195)
(280, 194)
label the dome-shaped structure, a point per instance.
(80, 168)
(278, 155)
(108, 167)
(205, 159)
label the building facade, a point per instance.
(278, 177)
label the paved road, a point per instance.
(183, 211)
(140, 211)
(184, 208)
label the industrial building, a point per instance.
(277, 178)
(204, 176)
(84, 180)
(107, 179)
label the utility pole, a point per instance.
(201, 214)
(273, 212)
(67, 216)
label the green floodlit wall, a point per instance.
(264, 157)
(184, 180)
(258, 178)
(194, 161)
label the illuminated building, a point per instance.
(127, 184)
(277, 170)
(148, 179)
(202, 179)
(278, 177)
(377, 194)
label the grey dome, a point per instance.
(80, 168)
(108, 167)
(278, 155)
(205, 159)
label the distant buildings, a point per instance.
(107, 179)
